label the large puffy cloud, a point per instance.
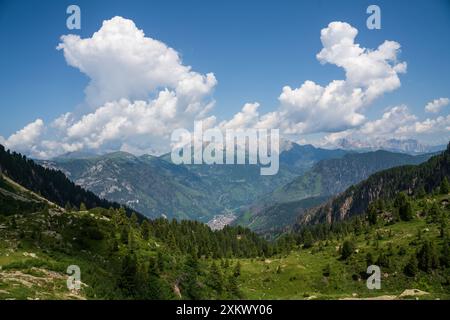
(396, 122)
(437, 104)
(132, 124)
(139, 92)
(373, 71)
(247, 118)
(27, 138)
(339, 105)
(439, 125)
(121, 62)
(389, 123)
(337, 108)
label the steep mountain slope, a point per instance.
(50, 184)
(382, 185)
(326, 178)
(16, 199)
(155, 186)
(332, 176)
(147, 184)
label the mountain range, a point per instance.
(326, 178)
(411, 146)
(156, 187)
(411, 179)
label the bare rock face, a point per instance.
(343, 211)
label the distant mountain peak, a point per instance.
(411, 146)
(77, 155)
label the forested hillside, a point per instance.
(332, 176)
(280, 208)
(50, 184)
(413, 180)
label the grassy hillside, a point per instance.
(318, 271)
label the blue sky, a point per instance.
(254, 49)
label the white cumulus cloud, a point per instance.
(121, 62)
(139, 91)
(27, 138)
(396, 122)
(339, 105)
(437, 104)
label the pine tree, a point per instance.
(412, 267)
(132, 242)
(383, 260)
(215, 278)
(237, 269)
(420, 193)
(145, 229)
(428, 257)
(347, 249)
(160, 261)
(443, 224)
(404, 207)
(232, 287)
(134, 220)
(83, 207)
(157, 288)
(445, 257)
(372, 214)
(308, 240)
(124, 234)
(127, 281)
(190, 282)
(444, 187)
(434, 213)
